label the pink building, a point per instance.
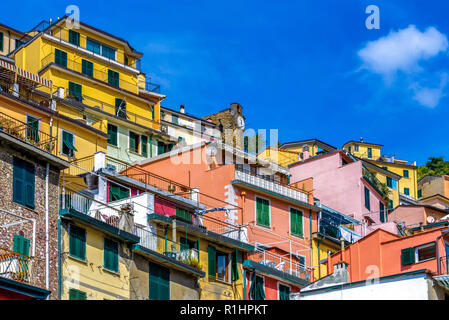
(339, 182)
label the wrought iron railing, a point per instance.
(14, 265)
(27, 133)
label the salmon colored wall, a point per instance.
(382, 250)
(271, 287)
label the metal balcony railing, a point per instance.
(97, 210)
(152, 87)
(270, 184)
(14, 266)
(28, 133)
(287, 264)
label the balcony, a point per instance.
(286, 264)
(152, 87)
(97, 74)
(14, 266)
(61, 34)
(99, 215)
(27, 133)
(268, 183)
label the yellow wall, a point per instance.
(90, 276)
(279, 156)
(325, 246)
(394, 193)
(363, 150)
(9, 43)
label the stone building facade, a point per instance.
(27, 222)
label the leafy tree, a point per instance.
(435, 166)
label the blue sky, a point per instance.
(310, 69)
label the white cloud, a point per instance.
(402, 50)
(430, 97)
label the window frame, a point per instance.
(279, 289)
(422, 246)
(84, 64)
(137, 142)
(290, 221)
(405, 175)
(117, 256)
(24, 165)
(269, 212)
(77, 37)
(62, 144)
(112, 78)
(63, 53)
(227, 268)
(74, 256)
(367, 198)
(27, 115)
(116, 135)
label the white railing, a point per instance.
(281, 263)
(271, 186)
(147, 239)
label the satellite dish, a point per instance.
(430, 219)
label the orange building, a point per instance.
(277, 218)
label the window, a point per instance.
(126, 60)
(385, 168)
(407, 191)
(391, 183)
(262, 212)
(112, 132)
(425, 252)
(117, 192)
(367, 203)
(349, 149)
(257, 290)
(87, 68)
(134, 142)
(77, 295)
(174, 119)
(93, 46)
(68, 144)
(74, 38)
(406, 174)
(296, 217)
(382, 212)
(17, 43)
(407, 256)
(21, 245)
(120, 108)
(284, 292)
(110, 255)
(144, 146)
(77, 242)
(356, 148)
(218, 264)
(32, 129)
(159, 286)
(184, 214)
(390, 204)
(75, 91)
(23, 182)
(113, 78)
(234, 264)
(61, 58)
(107, 52)
(419, 193)
(1, 41)
(370, 153)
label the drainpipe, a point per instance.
(47, 263)
(443, 233)
(59, 258)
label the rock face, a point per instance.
(231, 123)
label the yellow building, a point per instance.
(11, 39)
(291, 152)
(96, 78)
(406, 185)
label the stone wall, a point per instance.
(37, 264)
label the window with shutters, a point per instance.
(110, 255)
(93, 46)
(68, 144)
(117, 192)
(74, 38)
(184, 214)
(174, 119)
(296, 222)
(284, 292)
(108, 52)
(24, 176)
(61, 58)
(112, 132)
(75, 294)
(87, 68)
(389, 182)
(234, 266)
(367, 200)
(159, 282)
(113, 78)
(405, 174)
(262, 212)
(382, 212)
(77, 242)
(144, 146)
(21, 245)
(419, 193)
(370, 153)
(17, 43)
(32, 129)
(407, 191)
(134, 141)
(75, 91)
(356, 148)
(1, 41)
(222, 266)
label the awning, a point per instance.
(8, 70)
(442, 281)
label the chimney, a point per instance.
(305, 152)
(361, 139)
(182, 108)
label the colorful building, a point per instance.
(414, 216)
(11, 39)
(433, 185)
(277, 218)
(28, 217)
(343, 184)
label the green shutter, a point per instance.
(419, 193)
(113, 78)
(296, 226)
(132, 141)
(284, 292)
(67, 142)
(61, 58)
(21, 245)
(234, 269)
(408, 256)
(367, 203)
(145, 146)
(87, 68)
(112, 132)
(262, 212)
(184, 244)
(30, 177)
(75, 91)
(77, 295)
(407, 191)
(159, 282)
(18, 181)
(1, 41)
(382, 212)
(110, 255)
(74, 38)
(212, 256)
(33, 128)
(77, 242)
